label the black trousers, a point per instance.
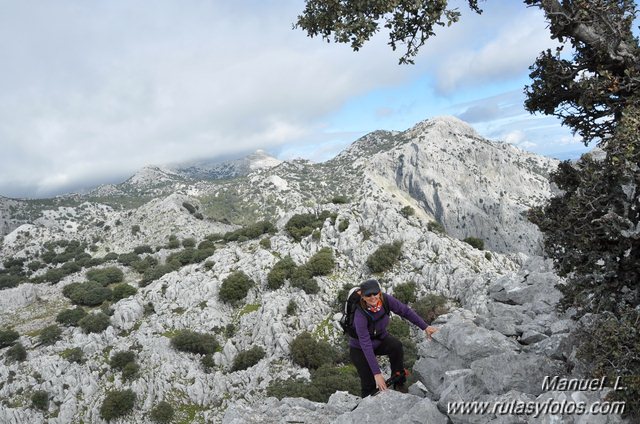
(391, 347)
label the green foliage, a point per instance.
(95, 323)
(302, 225)
(8, 337)
(130, 371)
(71, 317)
(309, 352)
(144, 264)
(120, 359)
(385, 257)
(301, 278)
(322, 263)
(340, 200)
(475, 242)
(235, 287)
(430, 306)
(405, 292)
(487, 256)
(610, 347)
(325, 381)
(154, 273)
(145, 248)
(407, 211)
(248, 358)
(73, 355)
(50, 334)
(292, 307)
(206, 244)
(162, 413)
(89, 293)
(251, 231)
(265, 243)
(40, 400)
(121, 291)
(9, 281)
(366, 234)
(436, 227)
(16, 353)
(189, 242)
(189, 207)
(127, 259)
(207, 362)
(194, 342)
(111, 256)
(344, 224)
(135, 229)
(408, 24)
(105, 276)
(117, 403)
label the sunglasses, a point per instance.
(372, 294)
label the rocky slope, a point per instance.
(500, 338)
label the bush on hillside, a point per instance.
(301, 278)
(194, 342)
(73, 355)
(309, 352)
(340, 200)
(322, 263)
(162, 413)
(407, 211)
(154, 273)
(430, 306)
(127, 259)
(89, 293)
(16, 353)
(105, 276)
(251, 232)
(475, 242)
(281, 271)
(325, 381)
(248, 358)
(40, 400)
(302, 225)
(436, 227)
(235, 287)
(145, 248)
(405, 292)
(120, 359)
(8, 337)
(95, 323)
(49, 335)
(122, 291)
(117, 403)
(10, 281)
(385, 257)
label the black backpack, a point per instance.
(350, 306)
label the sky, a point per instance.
(90, 92)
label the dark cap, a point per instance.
(370, 287)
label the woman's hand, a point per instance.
(429, 331)
(380, 383)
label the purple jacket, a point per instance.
(361, 322)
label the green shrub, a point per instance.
(265, 243)
(405, 292)
(301, 225)
(292, 307)
(135, 229)
(49, 335)
(436, 227)
(73, 355)
(141, 266)
(120, 359)
(145, 248)
(122, 291)
(301, 279)
(385, 257)
(340, 200)
(16, 353)
(162, 413)
(248, 358)
(206, 244)
(40, 400)
(399, 327)
(189, 207)
(430, 306)
(322, 263)
(207, 362)
(251, 232)
(325, 381)
(344, 224)
(127, 259)
(315, 235)
(189, 242)
(54, 275)
(117, 403)
(194, 342)
(10, 281)
(487, 256)
(173, 243)
(130, 371)
(105, 276)
(8, 337)
(111, 256)
(281, 271)
(154, 273)
(89, 293)
(235, 287)
(95, 323)
(407, 211)
(610, 347)
(475, 242)
(310, 353)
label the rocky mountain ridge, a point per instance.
(386, 187)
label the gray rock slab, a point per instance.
(470, 342)
(509, 371)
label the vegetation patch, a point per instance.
(194, 342)
(385, 257)
(117, 403)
